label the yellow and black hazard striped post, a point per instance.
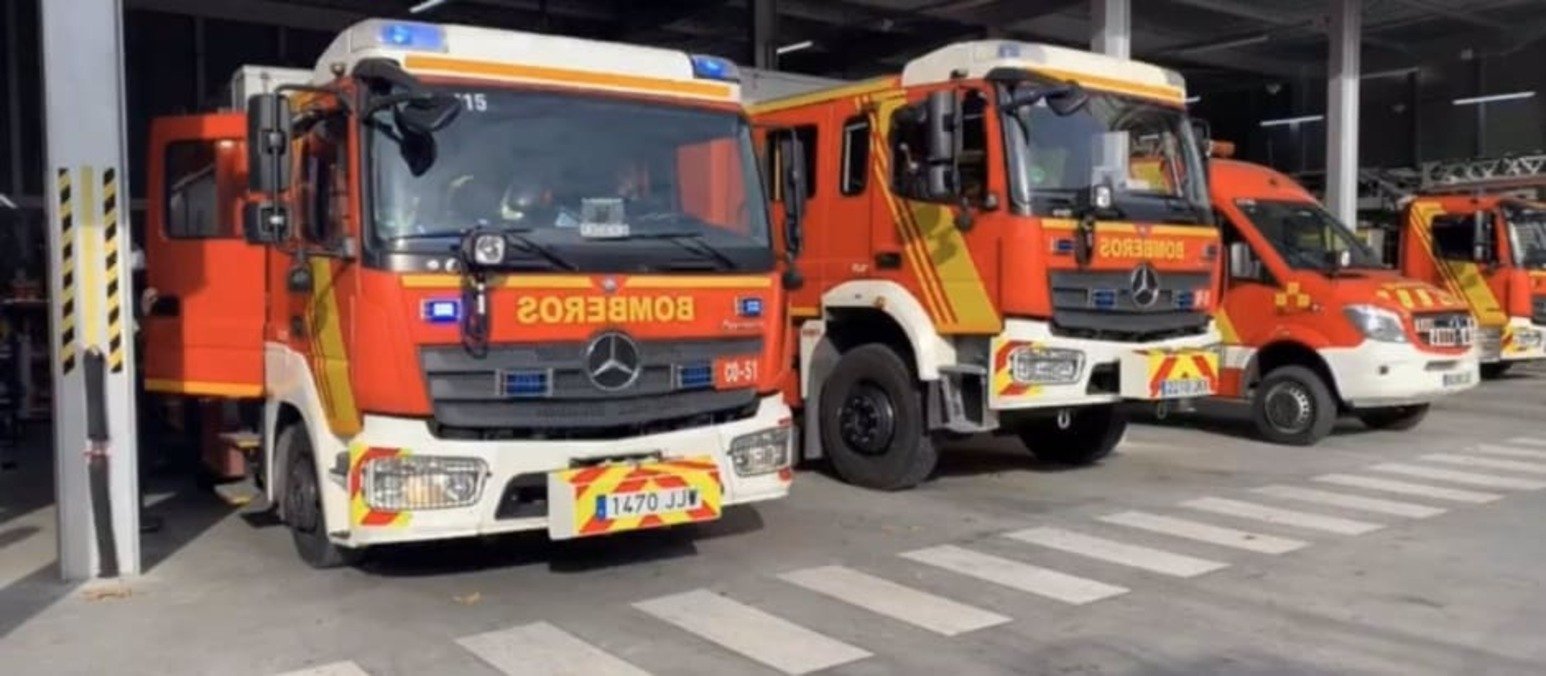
(111, 260)
(67, 290)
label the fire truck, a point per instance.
(1315, 325)
(1490, 250)
(478, 281)
(1005, 237)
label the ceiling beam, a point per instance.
(1465, 16)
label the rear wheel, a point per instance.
(1495, 370)
(1293, 406)
(1081, 437)
(303, 504)
(1394, 417)
(872, 421)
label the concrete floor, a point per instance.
(1384, 587)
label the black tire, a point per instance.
(1395, 418)
(1495, 370)
(1293, 406)
(303, 504)
(1093, 432)
(872, 425)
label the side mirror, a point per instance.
(795, 189)
(1241, 265)
(265, 222)
(1482, 249)
(1344, 258)
(1068, 100)
(944, 137)
(1202, 135)
(268, 143)
(426, 114)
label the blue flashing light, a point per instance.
(707, 67)
(1064, 246)
(695, 376)
(441, 310)
(1008, 50)
(1186, 299)
(526, 383)
(1103, 299)
(418, 36)
(750, 307)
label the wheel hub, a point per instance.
(867, 420)
(1289, 407)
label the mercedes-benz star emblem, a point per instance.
(1145, 283)
(612, 361)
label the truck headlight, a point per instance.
(1376, 323)
(1527, 339)
(760, 452)
(1045, 366)
(422, 482)
(489, 249)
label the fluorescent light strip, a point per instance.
(1193, 99)
(1490, 98)
(795, 47)
(1289, 121)
(426, 6)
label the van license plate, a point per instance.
(1457, 379)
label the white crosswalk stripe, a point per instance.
(1486, 463)
(1146, 558)
(333, 669)
(1204, 532)
(1016, 575)
(1511, 451)
(1359, 502)
(1528, 441)
(884, 597)
(771, 640)
(1459, 477)
(541, 649)
(1282, 517)
(1409, 488)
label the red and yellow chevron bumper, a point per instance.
(607, 499)
(1153, 375)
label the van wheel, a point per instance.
(872, 421)
(1293, 406)
(1086, 436)
(1395, 418)
(303, 505)
(1495, 370)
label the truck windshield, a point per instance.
(1307, 236)
(1527, 238)
(1143, 150)
(553, 165)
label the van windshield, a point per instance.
(1306, 235)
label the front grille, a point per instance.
(1100, 305)
(543, 391)
(1538, 310)
(1445, 329)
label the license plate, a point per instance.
(1186, 387)
(1154, 375)
(1457, 379)
(622, 505)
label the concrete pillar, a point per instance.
(1112, 26)
(1342, 110)
(96, 482)
(763, 33)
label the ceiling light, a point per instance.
(1291, 121)
(795, 47)
(1490, 98)
(426, 6)
(1193, 99)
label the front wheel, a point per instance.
(1078, 437)
(1495, 370)
(303, 505)
(1293, 406)
(872, 424)
(1397, 418)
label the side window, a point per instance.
(806, 133)
(1243, 264)
(193, 192)
(856, 155)
(974, 147)
(1454, 237)
(325, 186)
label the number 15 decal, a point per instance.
(735, 372)
(475, 102)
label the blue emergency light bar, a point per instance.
(706, 67)
(750, 307)
(695, 376)
(1186, 299)
(410, 35)
(441, 310)
(1103, 299)
(527, 384)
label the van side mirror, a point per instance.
(1482, 247)
(1241, 264)
(268, 143)
(796, 185)
(1202, 135)
(943, 120)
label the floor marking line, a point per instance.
(1136, 556)
(765, 638)
(541, 649)
(1359, 502)
(884, 597)
(1485, 462)
(1510, 451)
(1459, 477)
(1282, 517)
(333, 669)
(1204, 532)
(1016, 575)
(1409, 488)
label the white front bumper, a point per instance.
(1393, 374)
(1519, 340)
(509, 459)
(1005, 395)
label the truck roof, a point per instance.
(1234, 179)
(471, 52)
(973, 60)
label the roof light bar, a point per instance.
(410, 35)
(1492, 98)
(1292, 121)
(708, 67)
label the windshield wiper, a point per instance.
(692, 241)
(523, 243)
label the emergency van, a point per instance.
(1490, 251)
(480, 281)
(1006, 236)
(1316, 326)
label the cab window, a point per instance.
(1454, 237)
(194, 192)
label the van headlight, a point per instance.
(1376, 323)
(411, 482)
(760, 452)
(1045, 366)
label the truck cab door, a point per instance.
(202, 298)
